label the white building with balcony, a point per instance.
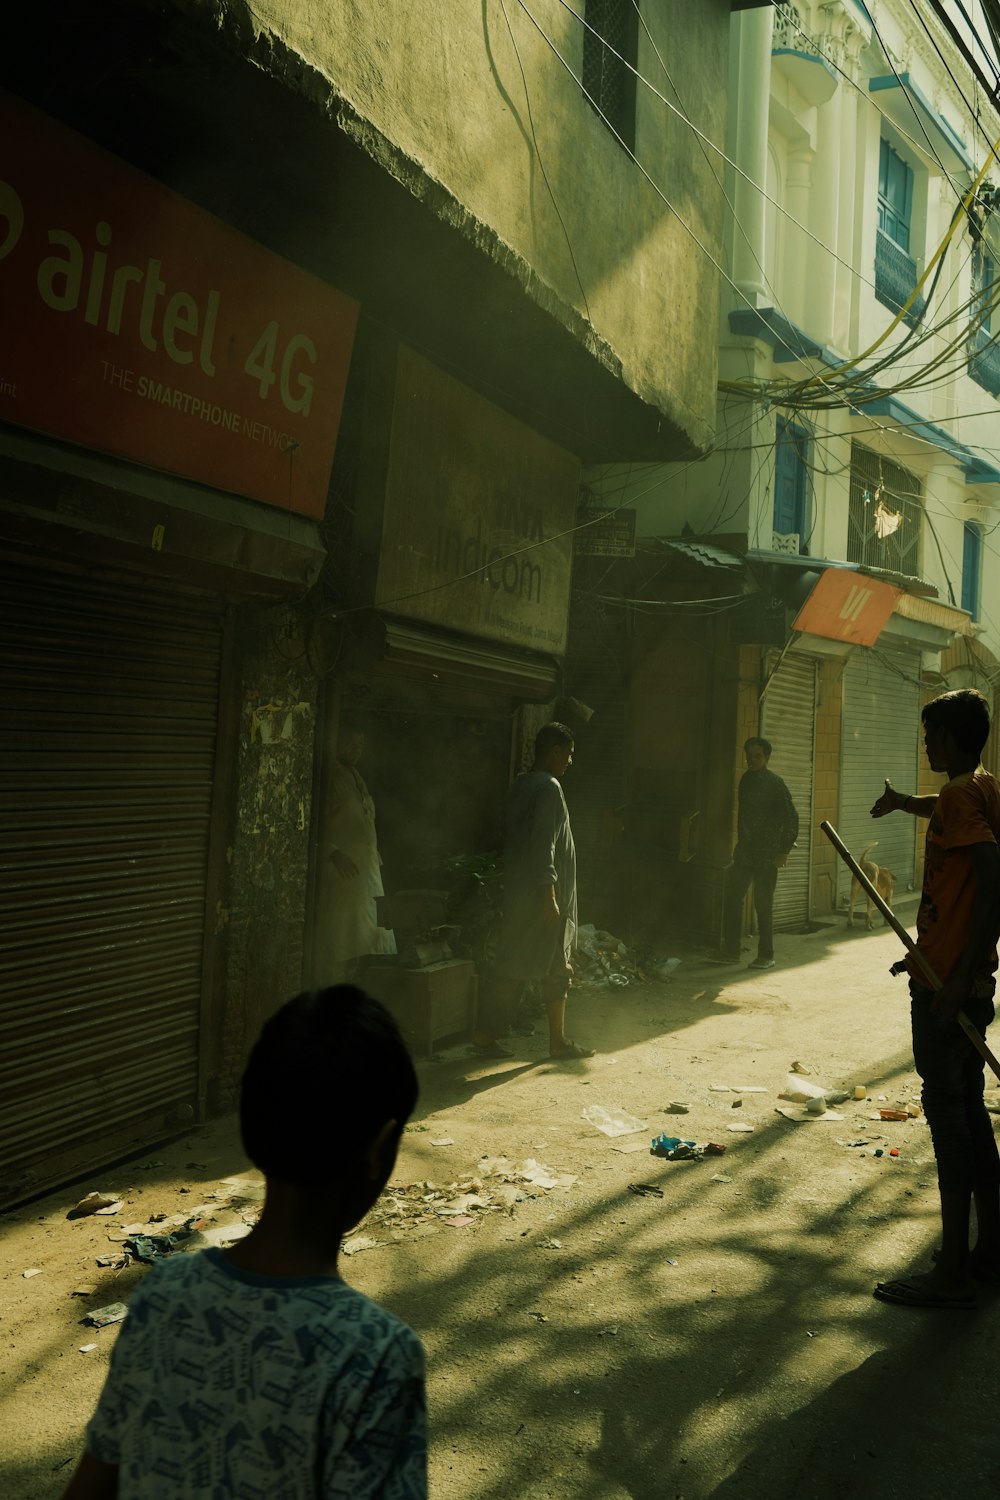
(858, 429)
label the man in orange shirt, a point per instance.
(958, 924)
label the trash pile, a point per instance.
(672, 1148)
(422, 1208)
(602, 959)
(229, 1214)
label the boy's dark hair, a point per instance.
(755, 739)
(965, 713)
(327, 1071)
(551, 735)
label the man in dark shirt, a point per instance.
(767, 827)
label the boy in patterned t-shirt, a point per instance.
(958, 923)
(256, 1372)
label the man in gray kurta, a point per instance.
(539, 918)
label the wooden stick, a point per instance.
(904, 937)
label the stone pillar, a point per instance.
(798, 246)
(825, 221)
(750, 72)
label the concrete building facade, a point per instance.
(316, 310)
(856, 435)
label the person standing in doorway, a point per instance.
(539, 905)
(352, 929)
(767, 827)
(958, 923)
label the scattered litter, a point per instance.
(914, 1111)
(443, 1140)
(719, 1088)
(83, 1291)
(95, 1203)
(118, 1262)
(602, 959)
(627, 1147)
(645, 1189)
(459, 1221)
(798, 1090)
(801, 1112)
(672, 1148)
(894, 1151)
(721, 1177)
(152, 1247)
(749, 1088)
(664, 971)
(539, 1316)
(87, 1348)
(551, 1244)
(671, 1261)
(736, 1104)
(860, 1092)
(881, 1097)
(102, 1316)
(35, 1271)
(798, 1067)
(359, 1242)
(741, 1128)
(893, 1114)
(218, 1236)
(612, 1122)
(676, 1107)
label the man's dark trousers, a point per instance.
(763, 876)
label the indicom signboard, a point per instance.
(135, 323)
(846, 606)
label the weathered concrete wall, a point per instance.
(471, 108)
(268, 852)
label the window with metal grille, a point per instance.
(984, 288)
(610, 52)
(984, 351)
(884, 515)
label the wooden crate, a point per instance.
(429, 1003)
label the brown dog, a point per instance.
(882, 880)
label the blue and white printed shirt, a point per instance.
(226, 1385)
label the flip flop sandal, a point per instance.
(645, 1190)
(904, 1293)
(490, 1049)
(570, 1050)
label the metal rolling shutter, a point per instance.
(110, 693)
(881, 735)
(788, 720)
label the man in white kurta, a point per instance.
(356, 878)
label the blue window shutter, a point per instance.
(789, 479)
(971, 563)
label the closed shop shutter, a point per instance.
(111, 694)
(788, 720)
(880, 738)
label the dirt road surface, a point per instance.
(584, 1340)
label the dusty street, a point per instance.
(583, 1340)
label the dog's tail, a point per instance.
(866, 851)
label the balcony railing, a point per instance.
(984, 362)
(896, 278)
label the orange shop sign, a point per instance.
(846, 606)
(136, 323)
